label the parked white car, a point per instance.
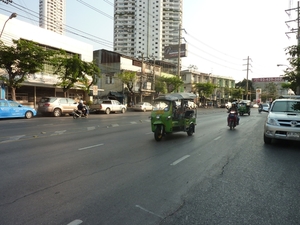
(142, 106)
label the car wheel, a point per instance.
(123, 110)
(28, 115)
(267, 140)
(107, 111)
(57, 112)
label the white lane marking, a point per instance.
(91, 128)
(217, 138)
(92, 146)
(75, 222)
(14, 138)
(58, 132)
(179, 160)
(148, 211)
(115, 125)
(133, 122)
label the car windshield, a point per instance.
(161, 105)
(286, 106)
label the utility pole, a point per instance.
(142, 76)
(248, 64)
(153, 80)
(297, 31)
(179, 50)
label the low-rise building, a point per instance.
(111, 64)
(190, 78)
(42, 83)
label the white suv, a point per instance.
(283, 121)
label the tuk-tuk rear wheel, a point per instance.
(191, 130)
(158, 133)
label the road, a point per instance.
(108, 169)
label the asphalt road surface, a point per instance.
(108, 169)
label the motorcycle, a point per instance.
(260, 108)
(232, 119)
(78, 113)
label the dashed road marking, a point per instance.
(59, 132)
(148, 211)
(14, 138)
(179, 160)
(217, 138)
(75, 222)
(92, 146)
(91, 128)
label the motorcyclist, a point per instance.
(235, 109)
(260, 108)
(82, 108)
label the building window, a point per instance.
(109, 79)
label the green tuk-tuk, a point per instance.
(244, 107)
(172, 113)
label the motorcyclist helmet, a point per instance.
(81, 101)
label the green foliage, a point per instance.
(128, 78)
(292, 74)
(237, 93)
(71, 70)
(160, 86)
(19, 60)
(205, 89)
(271, 90)
(243, 85)
(91, 70)
(172, 83)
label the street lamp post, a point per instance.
(13, 15)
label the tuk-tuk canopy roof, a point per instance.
(177, 96)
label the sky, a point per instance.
(220, 35)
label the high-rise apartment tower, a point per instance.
(52, 15)
(146, 26)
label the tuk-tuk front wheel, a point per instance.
(191, 130)
(158, 133)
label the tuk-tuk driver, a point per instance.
(234, 108)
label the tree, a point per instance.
(172, 83)
(292, 75)
(93, 71)
(271, 90)
(243, 85)
(160, 86)
(129, 79)
(71, 70)
(19, 60)
(237, 93)
(204, 90)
